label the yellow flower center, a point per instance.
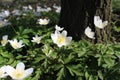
(37, 39)
(61, 39)
(19, 74)
(102, 25)
(3, 42)
(15, 45)
(44, 22)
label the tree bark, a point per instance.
(104, 11)
(76, 15)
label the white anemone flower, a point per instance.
(61, 39)
(4, 23)
(4, 40)
(3, 73)
(43, 21)
(19, 73)
(99, 23)
(49, 9)
(16, 12)
(30, 7)
(15, 44)
(89, 33)
(58, 8)
(36, 39)
(5, 13)
(41, 9)
(58, 28)
(27, 9)
(38, 9)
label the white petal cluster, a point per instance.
(89, 33)
(4, 13)
(57, 8)
(18, 73)
(27, 8)
(58, 28)
(4, 40)
(61, 39)
(36, 39)
(4, 23)
(16, 12)
(46, 9)
(43, 21)
(99, 23)
(16, 44)
(3, 73)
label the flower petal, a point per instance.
(28, 72)
(105, 23)
(4, 74)
(68, 40)
(20, 65)
(9, 70)
(89, 33)
(64, 33)
(5, 37)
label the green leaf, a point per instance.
(71, 71)
(26, 41)
(117, 29)
(117, 53)
(10, 61)
(40, 58)
(87, 75)
(2, 60)
(38, 73)
(6, 54)
(109, 61)
(100, 59)
(68, 59)
(75, 69)
(25, 36)
(93, 78)
(100, 75)
(112, 70)
(61, 74)
(26, 31)
(56, 66)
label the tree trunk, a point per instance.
(76, 15)
(72, 17)
(104, 11)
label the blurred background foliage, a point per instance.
(19, 3)
(116, 5)
(116, 19)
